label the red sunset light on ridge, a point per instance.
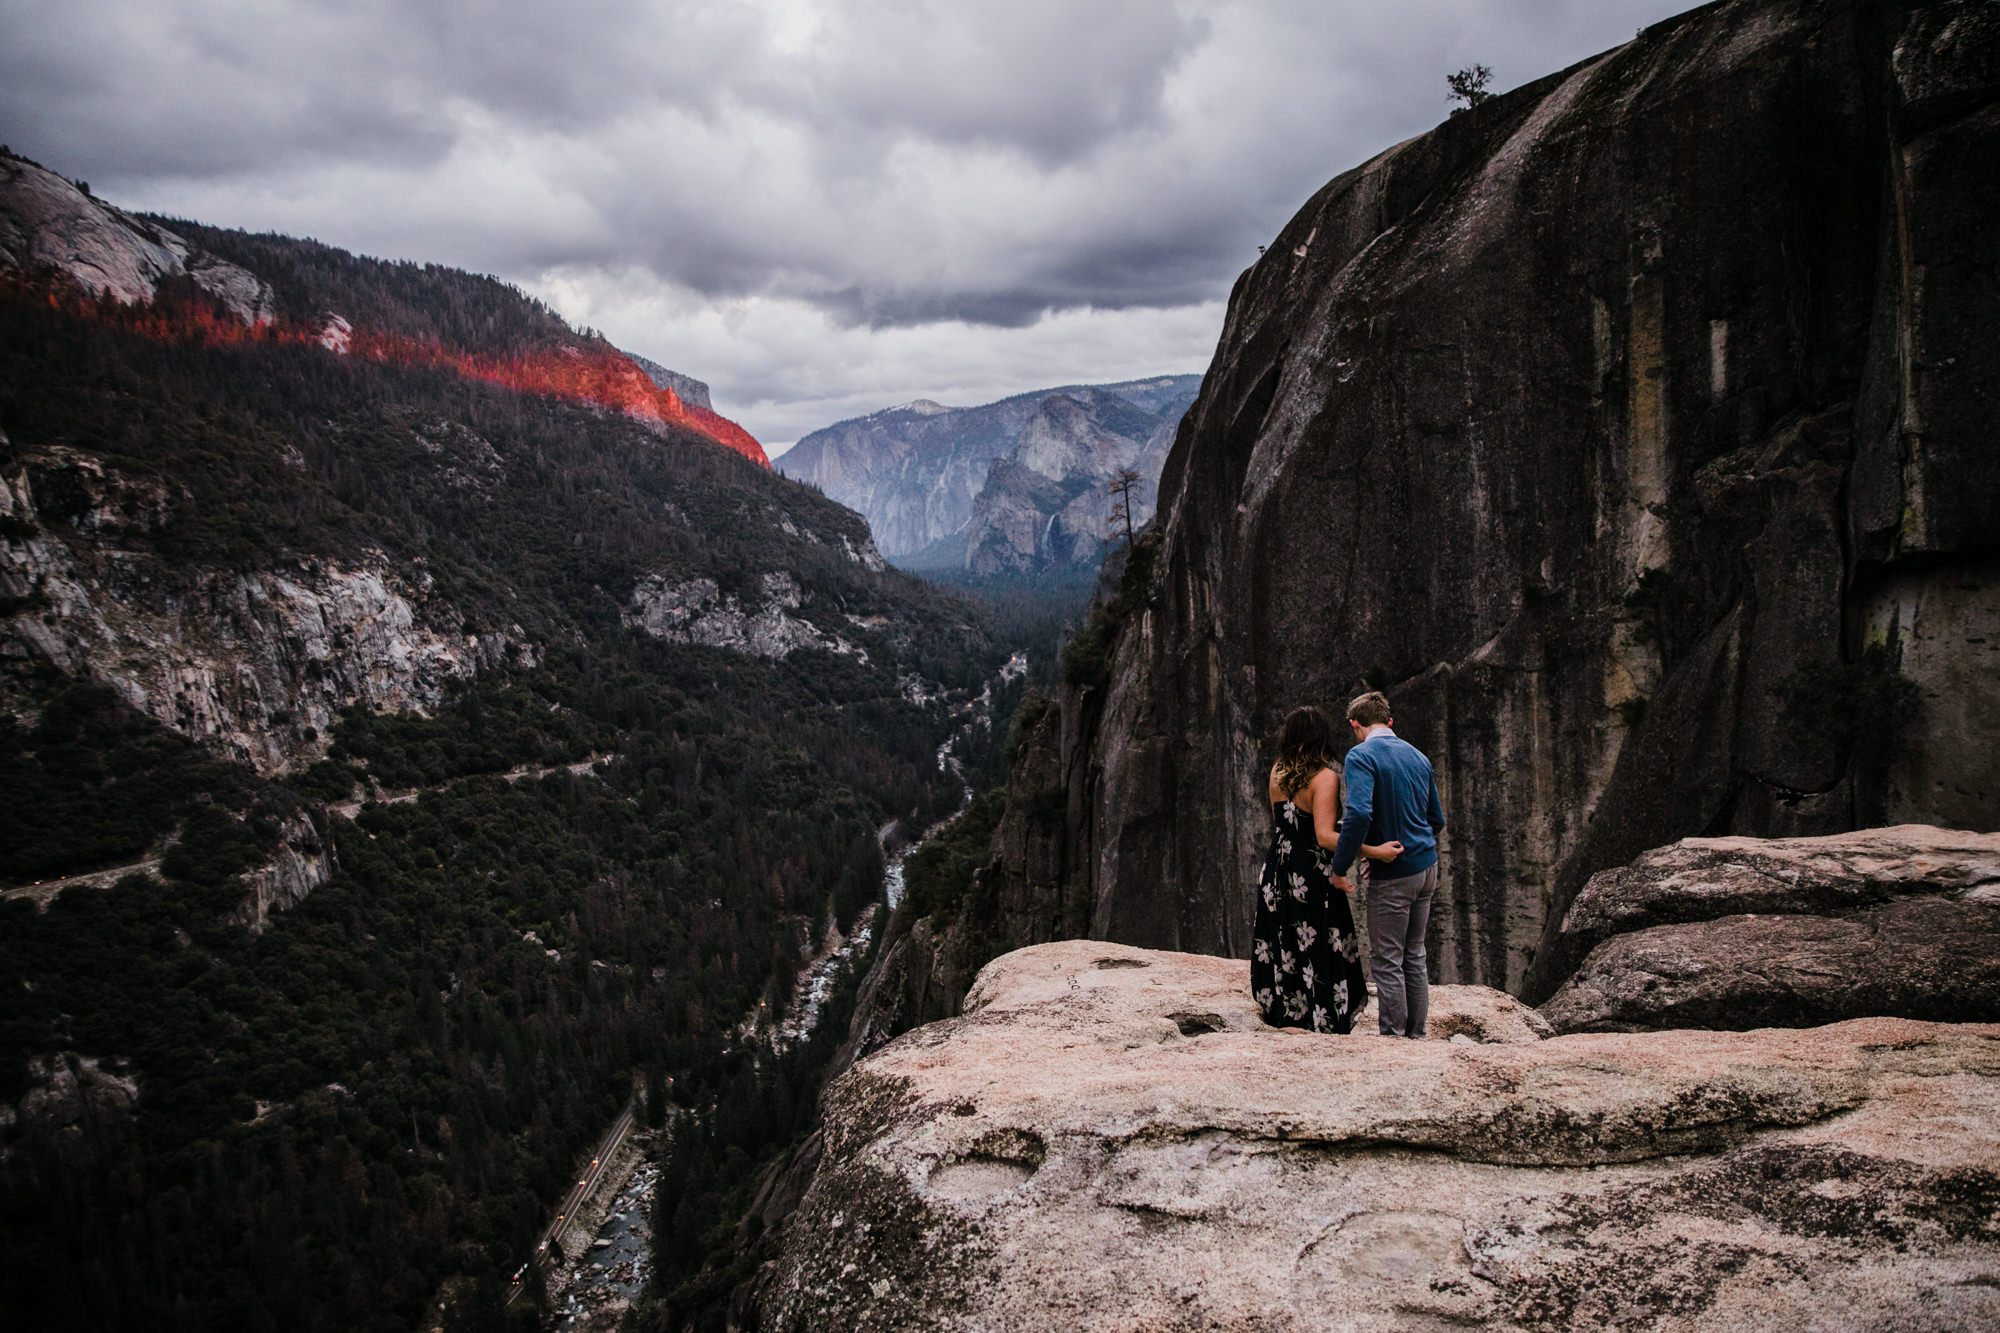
(597, 373)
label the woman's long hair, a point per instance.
(1305, 746)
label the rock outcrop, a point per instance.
(301, 862)
(73, 1093)
(690, 390)
(256, 663)
(1633, 430)
(1109, 1138)
(698, 611)
(1012, 486)
(1794, 932)
(47, 223)
(51, 228)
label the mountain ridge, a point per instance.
(50, 228)
(922, 472)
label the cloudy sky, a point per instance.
(822, 207)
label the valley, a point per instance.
(483, 850)
(413, 835)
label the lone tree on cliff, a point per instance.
(1469, 86)
(1120, 488)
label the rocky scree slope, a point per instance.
(1015, 486)
(1111, 1137)
(1638, 423)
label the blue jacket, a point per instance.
(1392, 796)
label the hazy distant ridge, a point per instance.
(920, 472)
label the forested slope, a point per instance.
(310, 1071)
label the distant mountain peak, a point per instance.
(1011, 485)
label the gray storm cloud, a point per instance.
(830, 169)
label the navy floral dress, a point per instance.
(1305, 960)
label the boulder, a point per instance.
(1110, 1138)
(1788, 932)
(1696, 879)
(1926, 959)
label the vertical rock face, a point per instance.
(692, 391)
(1581, 424)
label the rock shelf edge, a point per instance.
(1110, 1136)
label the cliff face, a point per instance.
(1016, 485)
(1581, 425)
(691, 391)
(1046, 505)
(255, 663)
(1787, 932)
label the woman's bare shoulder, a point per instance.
(1318, 788)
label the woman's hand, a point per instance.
(1383, 851)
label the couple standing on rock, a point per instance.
(1305, 960)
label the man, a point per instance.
(1392, 797)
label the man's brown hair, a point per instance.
(1370, 709)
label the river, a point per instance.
(595, 1285)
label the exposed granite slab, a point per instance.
(1109, 1138)
(1788, 932)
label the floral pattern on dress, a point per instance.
(1305, 958)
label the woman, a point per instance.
(1305, 961)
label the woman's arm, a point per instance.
(1325, 790)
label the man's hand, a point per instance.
(1340, 882)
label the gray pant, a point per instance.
(1398, 912)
